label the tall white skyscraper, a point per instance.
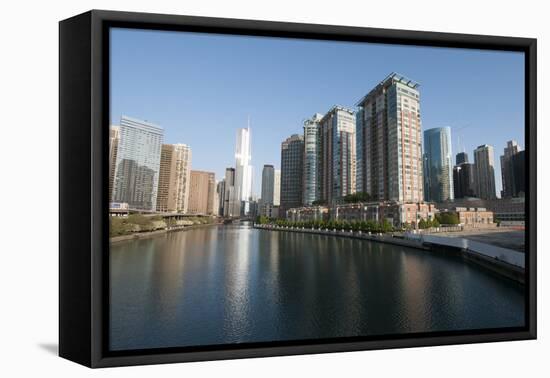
(277, 188)
(243, 169)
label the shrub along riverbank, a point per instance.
(382, 226)
(136, 223)
(363, 226)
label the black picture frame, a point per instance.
(83, 198)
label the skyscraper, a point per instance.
(311, 159)
(463, 180)
(232, 205)
(518, 166)
(389, 141)
(174, 177)
(507, 169)
(484, 161)
(220, 190)
(292, 157)
(243, 170)
(268, 184)
(336, 165)
(137, 164)
(461, 157)
(202, 193)
(113, 147)
(438, 165)
(277, 188)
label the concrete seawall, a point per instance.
(150, 234)
(494, 264)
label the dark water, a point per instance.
(235, 284)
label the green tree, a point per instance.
(449, 218)
(319, 203)
(262, 219)
(386, 226)
(357, 197)
(422, 224)
(372, 226)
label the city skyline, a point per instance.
(452, 95)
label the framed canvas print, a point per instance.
(234, 188)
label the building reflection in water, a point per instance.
(235, 284)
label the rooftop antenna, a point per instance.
(458, 136)
(458, 145)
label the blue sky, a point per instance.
(202, 87)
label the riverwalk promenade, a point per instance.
(506, 262)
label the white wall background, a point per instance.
(28, 148)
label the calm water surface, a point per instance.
(235, 284)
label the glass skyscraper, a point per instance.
(243, 170)
(484, 163)
(438, 165)
(137, 164)
(268, 184)
(311, 158)
(463, 180)
(507, 169)
(292, 160)
(461, 157)
(336, 170)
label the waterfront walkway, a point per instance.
(507, 262)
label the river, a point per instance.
(236, 284)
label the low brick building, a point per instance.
(308, 213)
(412, 213)
(396, 213)
(474, 217)
(506, 210)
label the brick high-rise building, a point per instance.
(202, 193)
(174, 178)
(389, 141)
